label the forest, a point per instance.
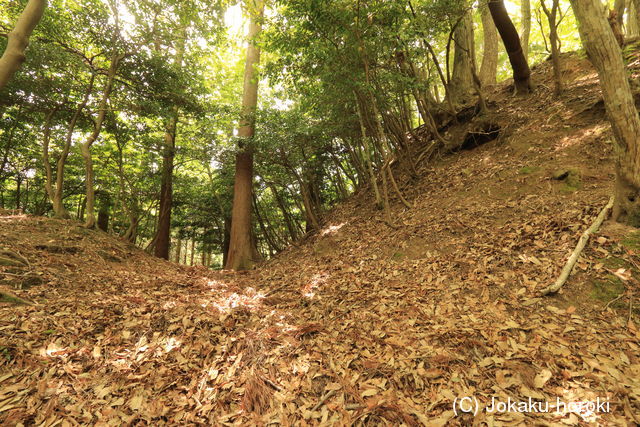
(319, 212)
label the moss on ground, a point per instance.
(632, 241)
(528, 170)
(608, 289)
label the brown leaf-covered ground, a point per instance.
(361, 323)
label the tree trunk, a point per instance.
(311, 218)
(633, 21)
(461, 85)
(285, 212)
(509, 35)
(226, 240)
(56, 193)
(18, 184)
(525, 10)
(163, 234)
(367, 155)
(86, 146)
(241, 250)
(103, 212)
(604, 52)
(18, 40)
(552, 15)
(619, 6)
(489, 65)
(103, 219)
(178, 251)
(193, 251)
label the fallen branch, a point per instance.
(578, 250)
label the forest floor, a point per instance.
(361, 323)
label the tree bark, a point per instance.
(18, 193)
(509, 35)
(242, 252)
(552, 16)
(103, 219)
(163, 233)
(605, 54)
(489, 65)
(525, 10)
(619, 6)
(86, 146)
(178, 251)
(56, 192)
(633, 20)
(18, 40)
(461, 85)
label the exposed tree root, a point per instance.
(6, 296)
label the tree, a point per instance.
(525, 13)
(552, 17)
(241, 248)
(489, 64)
(14, 54)
(464, 53)
(163, 235)
(511, 41)
(604, 52)
(97, 128)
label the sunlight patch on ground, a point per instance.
(586, 80)
(251, 299)
(53, 350)
(169, 305)
(15, 214)
(332, 229)
(318, 279)
(579, 137)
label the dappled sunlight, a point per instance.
(585, 80)
(53, 350)
(586, 405)
(581, 136)
(169, 305)
(332, 229)
(318, 279)
(250, 299)
(13, 215)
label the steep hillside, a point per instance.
(362, 323)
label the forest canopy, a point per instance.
(128, 115)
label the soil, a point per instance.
(361, 323)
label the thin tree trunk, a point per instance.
(605, 54)
(178, 250)
(163, 236)
(552, 16)
(367, 156)
(193, 251)
(18, 40)
(103, 212)
(58, 191)
(509, 35)
(285, 213)
(241, 250)
(489, 65)
(18, 184)
(525, 11)
(86, 146)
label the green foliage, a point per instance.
(324, 63)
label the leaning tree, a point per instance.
(605, 54)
